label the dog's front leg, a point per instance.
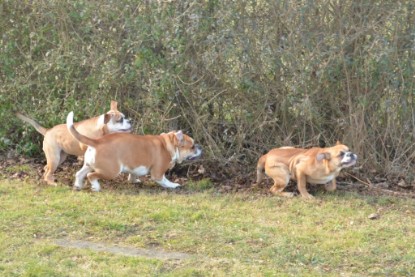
(331, 186)
(302, 186)
(165, 183)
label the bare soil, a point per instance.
(119, 250)
(229, 179)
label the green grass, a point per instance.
(244, 234)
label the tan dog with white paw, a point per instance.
(314, 166)
(138, 155)
(58, 142)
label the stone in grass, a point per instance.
(373, 216)
(404, 184)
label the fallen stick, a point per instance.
(387, 191)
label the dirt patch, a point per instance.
(229, 180)
(125, 251)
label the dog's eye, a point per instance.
(121, 120)
(342, 154)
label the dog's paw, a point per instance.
(78, 185)
(173, 185)
(287, 194)
(330, 187)
(165, 183)
(76, 188)
(307, 197)
(52, 182)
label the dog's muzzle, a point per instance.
(128, 130)
(349, 159)
(197, 153)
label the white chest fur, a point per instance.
(138, 171)
(322, 180)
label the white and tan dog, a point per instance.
(58, 142)
(108, 156)
(314, 166)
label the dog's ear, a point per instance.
(179, 135)
(338, 142)
(323, 156)
(104, 119)
(114, 105)
(107, 118)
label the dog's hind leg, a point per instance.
(281, 176)
(93, 179)
(80, 176)
(277, 189)
(102, 173)
(62, 158)
(52, 163)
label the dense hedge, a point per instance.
(240, 76)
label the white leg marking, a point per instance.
(95, 186)
(165, 183)
(80, 176)
(89, 157)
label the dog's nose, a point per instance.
(351, 155)
(198, 149)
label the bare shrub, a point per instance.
(241, 76)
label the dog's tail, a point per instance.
(260, 169)
(78, 136)
(37, 126)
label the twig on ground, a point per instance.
(387, 191)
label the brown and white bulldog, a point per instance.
(314, 166)
(113, 154)
(58, 142)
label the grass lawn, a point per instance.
(240, 234)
